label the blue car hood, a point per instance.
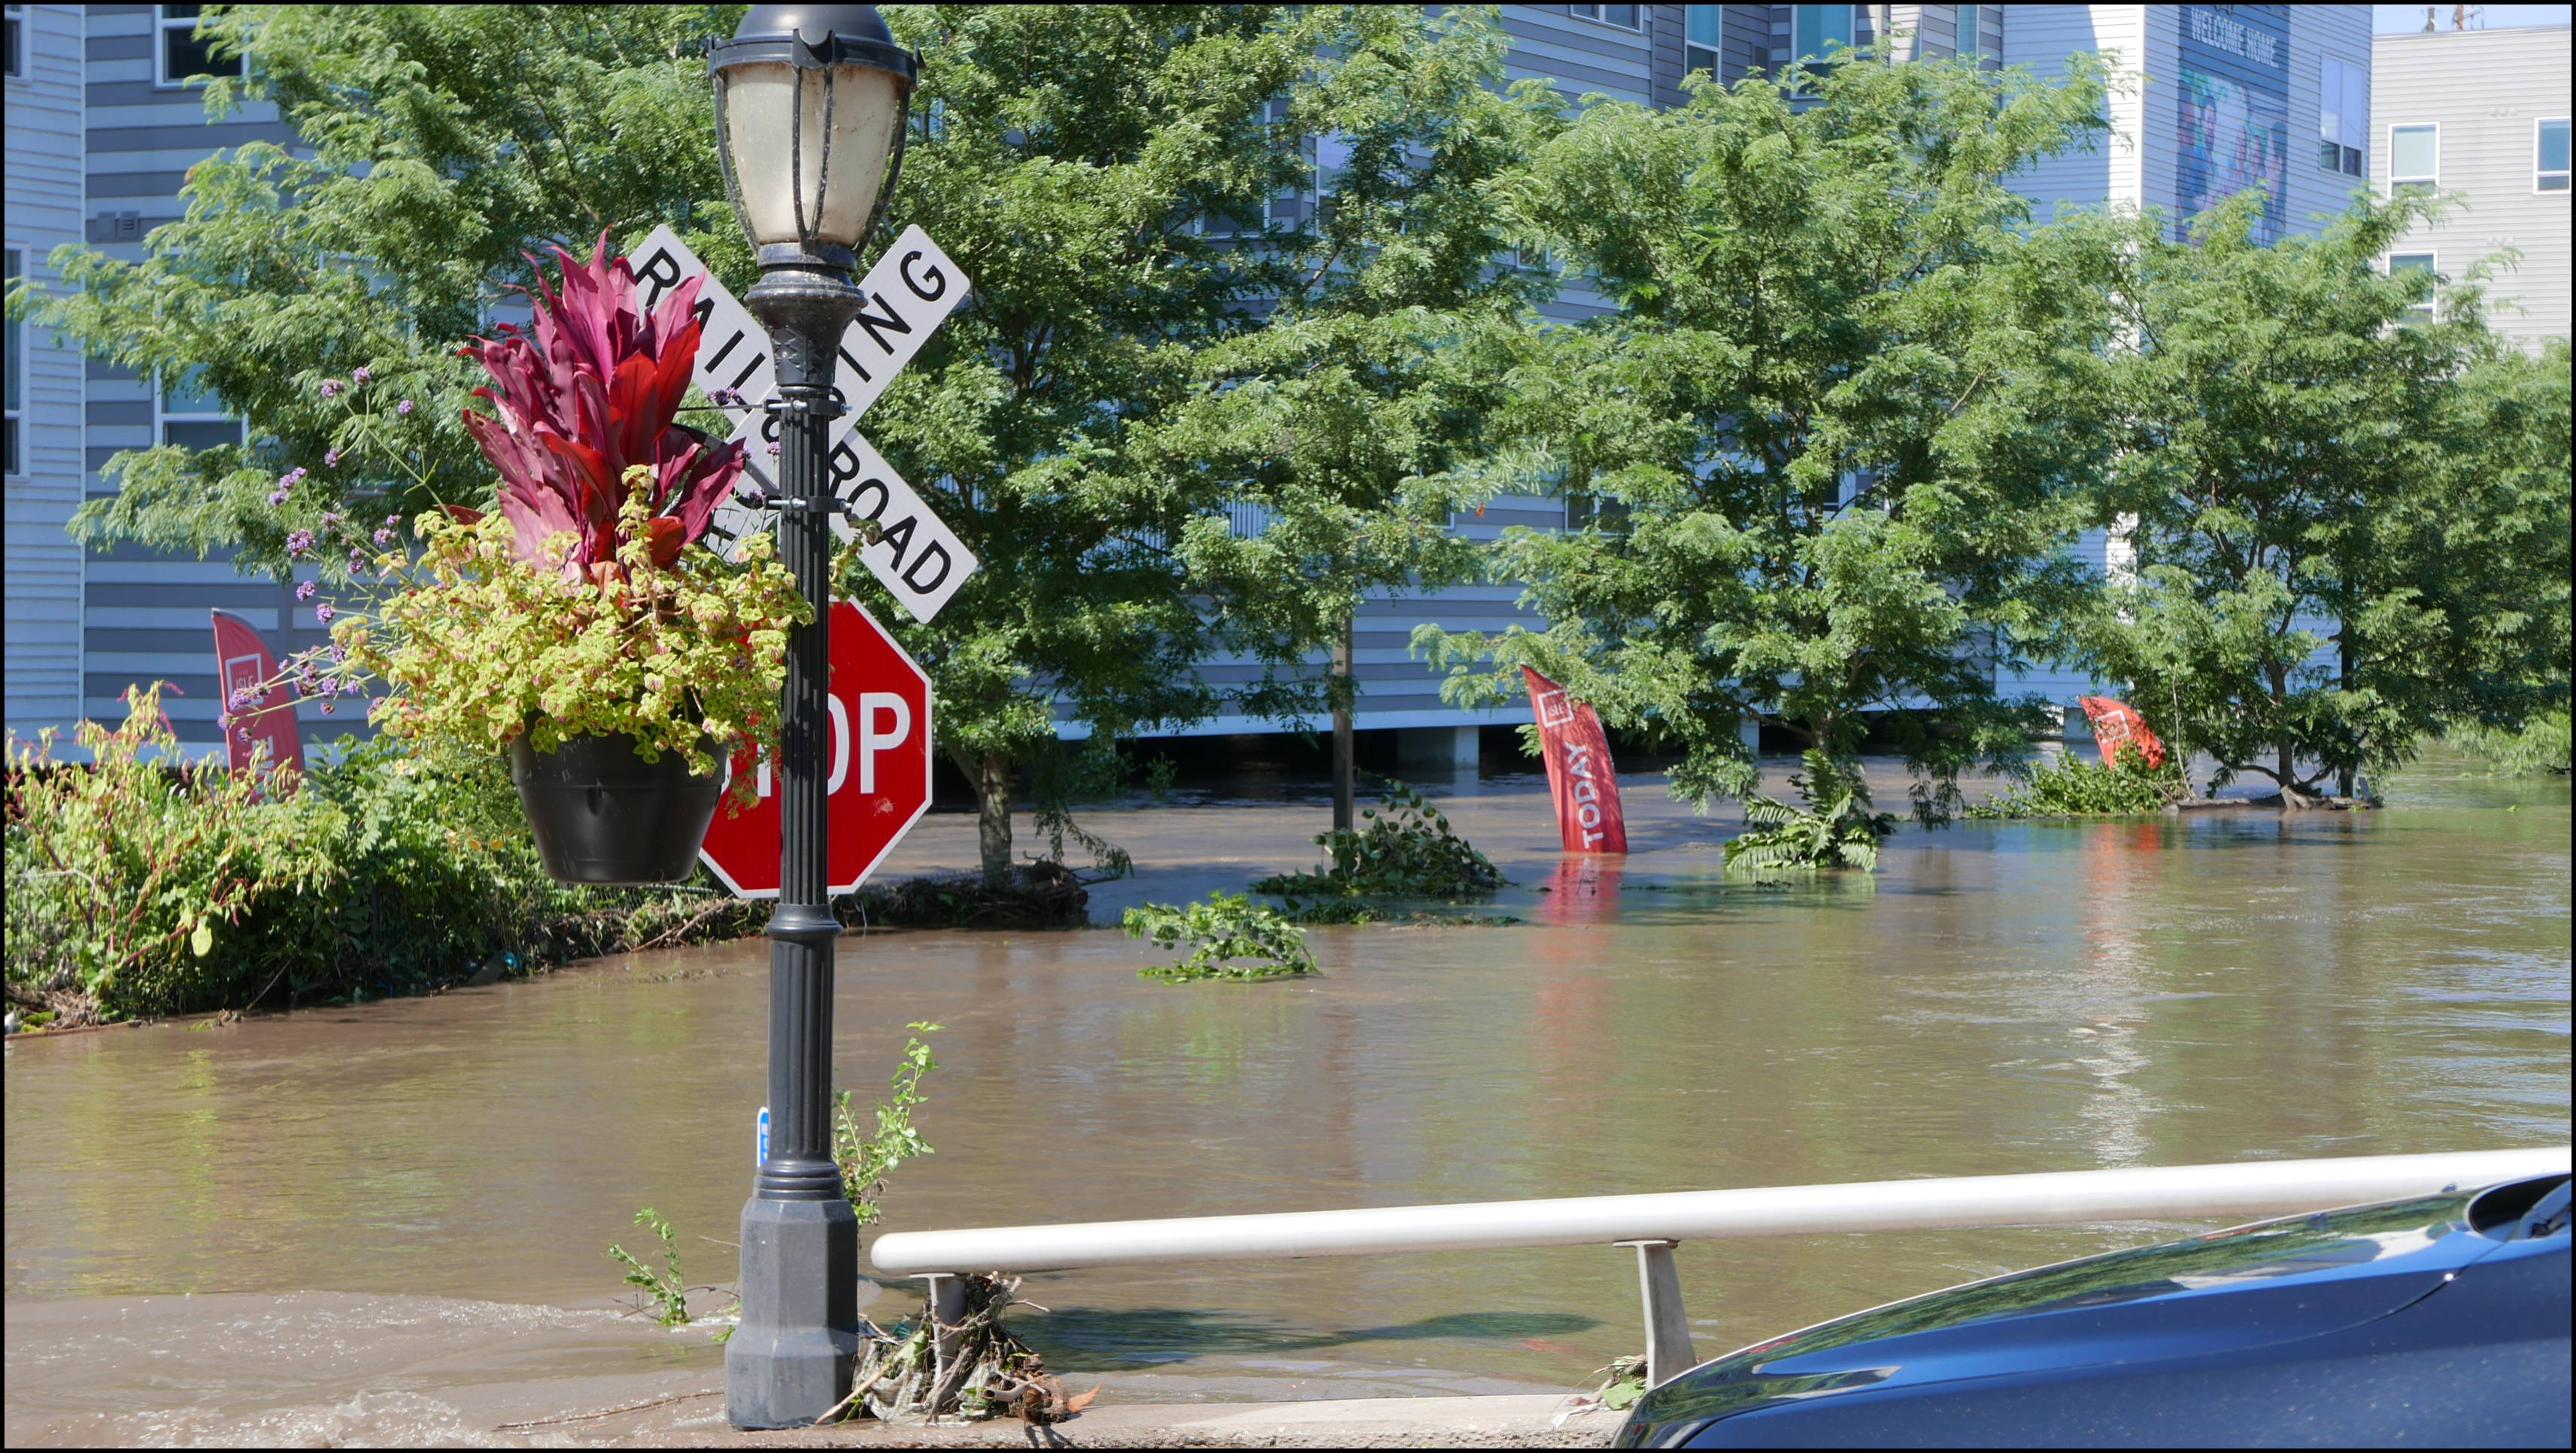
(2283, 1280)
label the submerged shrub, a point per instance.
(1407, 851)
(1230, 937)
(2073, 787)
(1836, 829)
(141, 884)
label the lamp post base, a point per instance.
(794, 1364)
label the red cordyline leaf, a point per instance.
(596, 391)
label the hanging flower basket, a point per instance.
(580, 625)
(602, 814)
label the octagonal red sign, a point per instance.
(879, 764)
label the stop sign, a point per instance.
(879, 768)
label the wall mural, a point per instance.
(2232, 111)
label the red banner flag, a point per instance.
(259, 707)
(2117, 724)
(1579, 775)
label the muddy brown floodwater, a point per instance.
(1999, 998)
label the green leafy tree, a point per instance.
(447, 142)
(2351, 518)
(1103, 173)
(1377, 366)
(1831, 440)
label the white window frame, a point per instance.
(2539, 177)
(1693, 51)
(1599, 15)
(2433, 265)
(162, 24)
(163, 415)
(17, 63)
(2394, 180)
(15, 466)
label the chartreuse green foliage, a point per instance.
(479, 645)
(137, 886)
(2070, 786)
(1824, 454)
(2540, 747)
(2351, 519)
(665, 1295)
(126, 877)
(1836, 828)
(1229, 937)
(867, 1157)
(1406, 850)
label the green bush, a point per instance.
(2540, 748)
(1836, 829)
(1230, 938)
(2073, 787)
(1408, 851)
(140, 886)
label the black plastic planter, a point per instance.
(601, 814)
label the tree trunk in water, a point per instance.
(2287, 752)
(2343, 648)
(993, 817)
(1343, 691)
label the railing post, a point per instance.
(1668, 1338)
(947, 1311)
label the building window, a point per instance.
(14, 338)
(182, 56)
(1626, 17)
(1703, 27)
(2415, 262)
(191, 417)
(1972, 41)
(1817, 30)
(2549, 155)
(2414, 155)
(17, 57)
(2343, 116)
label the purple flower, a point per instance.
(773, 451)
(238, 701)
(331, 388)
(324, 612)
(331, 459)
(278, 495)
(242, 735)
(384, 536)
(298, 541)
(332, 517)
(392, 520)
(339, 652)
(305, 589)
(360, 374)
(293, 477)
(726, 396)
(403, 408)
(326, 708)
(351, 688)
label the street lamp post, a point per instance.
(810, 103)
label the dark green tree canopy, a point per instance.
(2348, 496)
(1837, 428)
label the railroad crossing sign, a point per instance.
(878, 783)
(909, 293)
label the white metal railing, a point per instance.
(1653, 1223)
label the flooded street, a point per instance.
(2000, 998)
